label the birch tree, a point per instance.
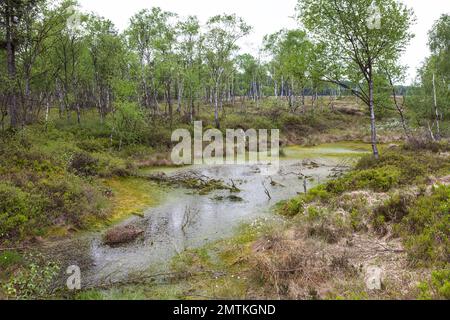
(439, 63)
(358, 35)
(189, 50)
(223, 32)
(11, 15)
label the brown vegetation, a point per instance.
(122, 234)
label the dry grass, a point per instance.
(295, 266)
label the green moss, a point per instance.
(131, 196)
(378, 179)
(195, 259)
(330, 150)
(89, 295)
(246, 233)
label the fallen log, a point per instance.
(121, 235)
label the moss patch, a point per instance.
(334, 150)
(132, 196)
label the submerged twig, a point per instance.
(266, 191)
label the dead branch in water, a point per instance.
(234, 188)
(191, 180)
(266, 191)
(188, 218)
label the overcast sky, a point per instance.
(266, 16)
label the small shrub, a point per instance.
(137, 151)
(394, 209)
(314, 213)
(293, 207)
(93, 294)
(92, 145)
(33, 281)
(10, 258)
(70, 200)
(379, 225)
(356, 220)
(438, 287)
(16, 210)
(324, 232)
(318, 193)
(83, 164)
(380, 179)
(306, 124)
(413, 167)
(350, 202)
(121, 172)
(109, 166)
(296, 206)
(128, 124)
(426, 228)
(416, 144)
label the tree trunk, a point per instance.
(47, 110)
(257, 95)
(303, 100)
(60, 98)
(400, 109)
(436, 111)
(316, 99)
(233, 100)
(145, 87)
(275, 87)
(216, 106)
(293, 103)
(179, 96)
(192, 109)
(11, 61)
(155, 97)
(373, 128)
(169, 103)
(79, 114)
